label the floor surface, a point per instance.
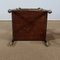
(30, 50)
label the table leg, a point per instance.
(46, 43)
(12, 43)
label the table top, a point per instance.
(30, 9)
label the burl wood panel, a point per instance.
(29, 25)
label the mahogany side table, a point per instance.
(29, 24)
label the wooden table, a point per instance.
(29, 24)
